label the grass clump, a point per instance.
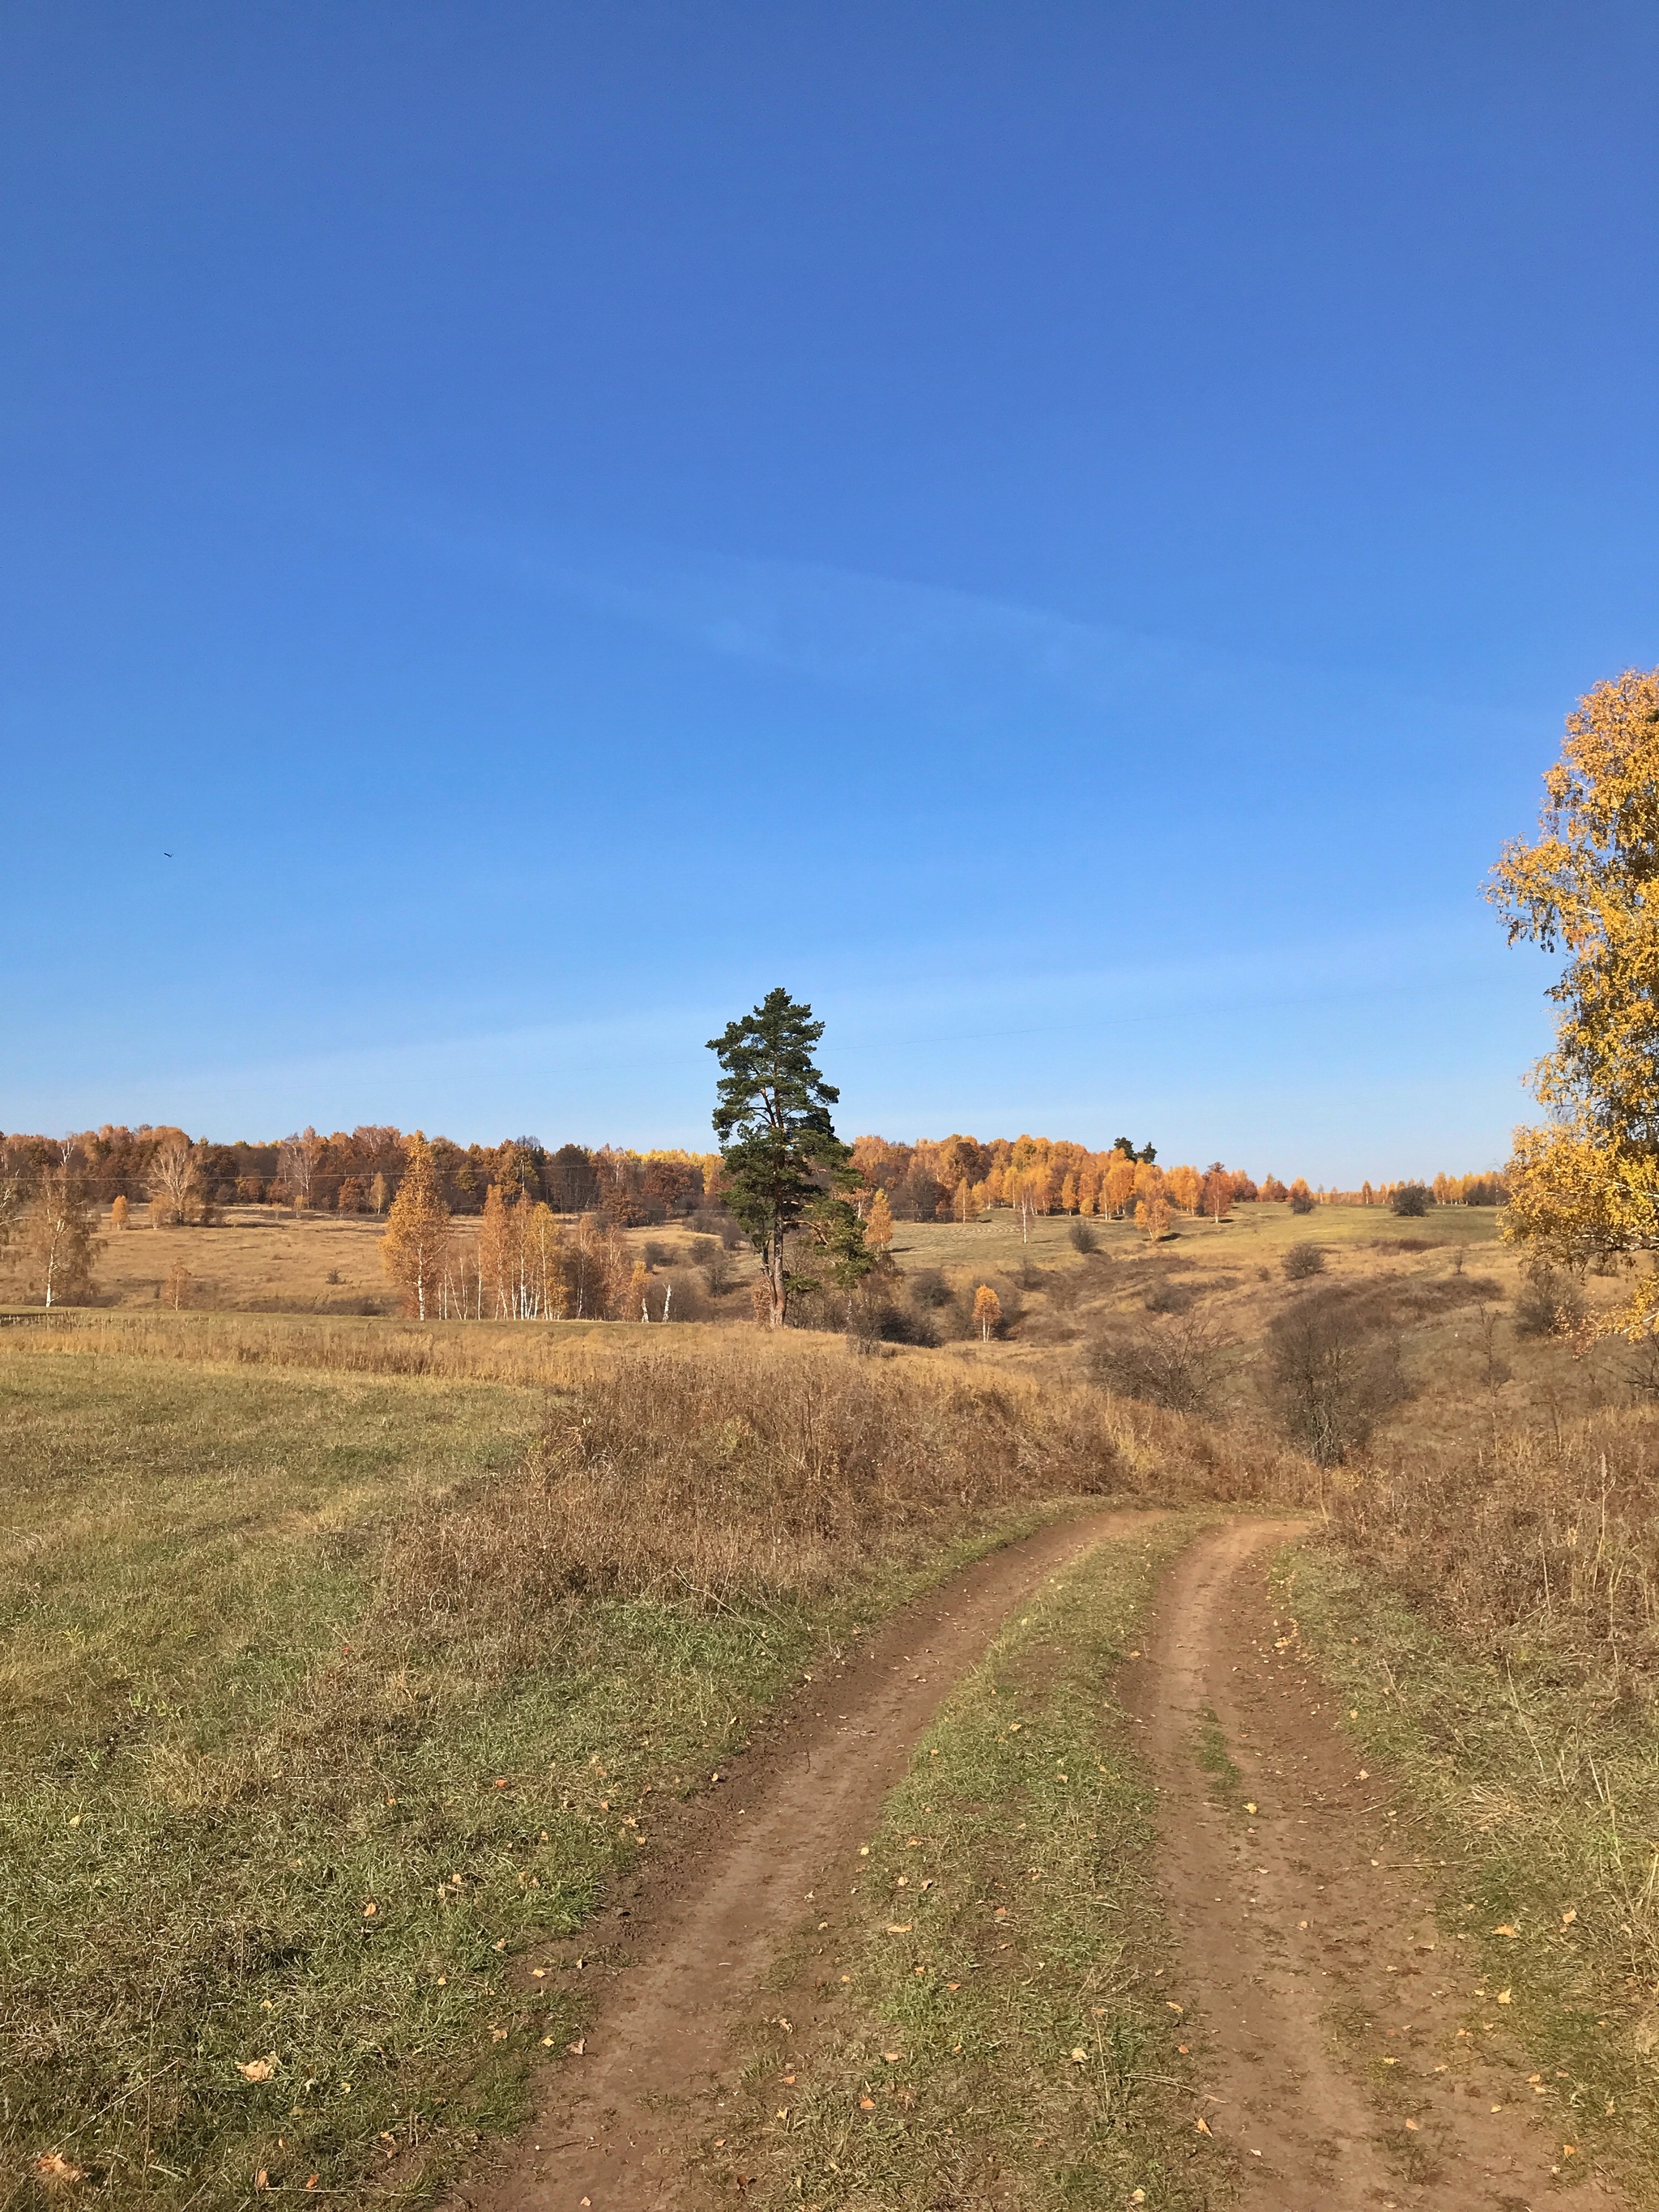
(1003, 2029)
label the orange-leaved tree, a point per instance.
(1184, 1186)
(878, 1223)
(416, 1246)
(1152, 1216)
(59, 1245)
(988, 1311)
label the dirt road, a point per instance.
(614, 2130)
(1297, 1905)
(1325, 2004)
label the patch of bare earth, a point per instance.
(1348, 2059)
(680, 1959)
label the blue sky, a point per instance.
(1063, 534)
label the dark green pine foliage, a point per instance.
(786, 1168)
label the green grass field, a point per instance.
(284, 1798)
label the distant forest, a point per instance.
(955, 1177)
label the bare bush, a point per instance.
(1411, 1200)
(1303, 1261)
(1550, 1303)
(1332, 1372)
(1176, 1363)
(1082, 1238)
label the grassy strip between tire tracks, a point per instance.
(1001, 2025)
(1542, 1804)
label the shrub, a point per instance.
(1332, 1372)
(1082, 1238)
(1303, 1261)
(1551, 1302)
(1300, 1202)
(1411, 1200)
(1176, 1363)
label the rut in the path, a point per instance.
(616, 2125)
(1311, 1904)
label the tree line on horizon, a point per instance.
(56, 1195)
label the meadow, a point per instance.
(349, 1664)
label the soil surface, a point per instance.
(1327, 2004)
(1347, 2057)
(683, 1955)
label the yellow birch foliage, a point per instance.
(1120, 1185)
(415, 1245)
(988, 1311)
(878, 1223)
(1585, 1185)
(1152, 1216)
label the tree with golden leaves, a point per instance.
(1152, 1216)
(58, 1243)
(119, 1211)
(1584, 1186)
(1184, 1186)
(878, 1223)
(987, 1312)
(1119, 1185)
(416, 1246)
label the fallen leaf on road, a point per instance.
(867, 2104)
(1504, 1996)
(1173, 2006)
(577, 2048)
(53, 2168)
(1504, 1928)
(1201, 2124)
(900, 1927)
(258, 2070)
(1569, 1916)
(370, 1909)
(892, 2056)
(1080, 2056)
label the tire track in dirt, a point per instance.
(614, 2126)
(1311, 1905)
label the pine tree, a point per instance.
(987, 1312)
(780, 1154)
(415, 1246)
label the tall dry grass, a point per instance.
(745, 1471)
(1543, 1537)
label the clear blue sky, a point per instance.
(1064, 534)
